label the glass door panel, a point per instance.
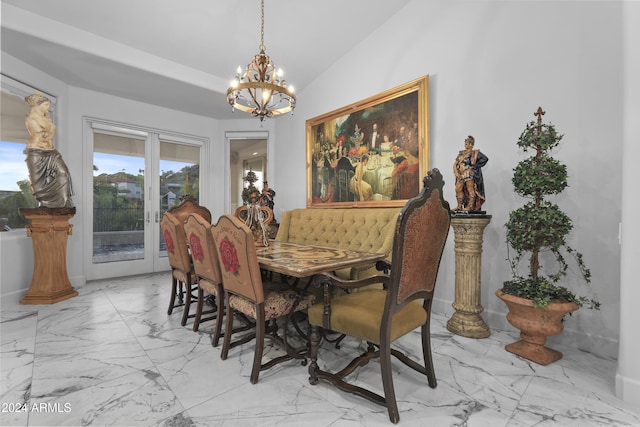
(118, 199)
(137, 176)
(179, 175)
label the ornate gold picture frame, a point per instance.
(372, 153)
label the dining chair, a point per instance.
(206, 268)
(186, 206)
(381, 316)
(247, 292)
(183, 280)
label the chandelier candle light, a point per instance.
(260, 89)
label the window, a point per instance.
(15, 187)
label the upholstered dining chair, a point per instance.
(381, 316)
(246, 292)
(183, 280)
(206, 268)
(186, 206)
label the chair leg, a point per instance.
(426, 354)
(187, 302)
(219, 320)
(228, 329)
(259, 344)
(174, 290)
(180, 292)
(199, 304)
(387, 381)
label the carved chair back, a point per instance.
(176, 242)
(238, 259)
(204, 254)
(187, 206)
(420, 237)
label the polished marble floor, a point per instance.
(112, 356)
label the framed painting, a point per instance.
(372, 153)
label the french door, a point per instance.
(137, 176)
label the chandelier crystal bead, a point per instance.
(261, 89)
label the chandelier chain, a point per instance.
(262, 48)
(260, 89)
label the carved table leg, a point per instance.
(313, 354)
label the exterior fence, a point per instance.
(118, 219)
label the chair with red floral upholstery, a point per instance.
(183, 281)
(246, 292)
(207, 269)
(188, 205)
(206, 266)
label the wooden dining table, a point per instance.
(303, 260)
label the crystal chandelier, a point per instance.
(260, 89)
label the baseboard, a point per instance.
(13, 297)
(628, 389)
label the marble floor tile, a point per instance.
(140, 398)
(112, 356)
(17, 353)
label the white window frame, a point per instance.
(22, 90)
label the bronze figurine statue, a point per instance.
(469, 181)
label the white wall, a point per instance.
(491, 64)
(16, 250)
(628, 375)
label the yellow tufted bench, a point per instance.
(362, 229)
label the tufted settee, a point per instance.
(362, 229)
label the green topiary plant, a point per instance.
(540, 225)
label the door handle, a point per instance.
(157, 216)
(148, 217)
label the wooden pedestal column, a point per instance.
(49, 230)
(466, 321)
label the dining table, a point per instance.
(303, 260)
(300, 261)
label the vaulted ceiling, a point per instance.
(182, 54)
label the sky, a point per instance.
(11, 170)
(14, 169)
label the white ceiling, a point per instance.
(182, 54)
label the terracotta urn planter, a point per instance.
(535, 325)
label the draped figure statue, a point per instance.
(48, 173)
